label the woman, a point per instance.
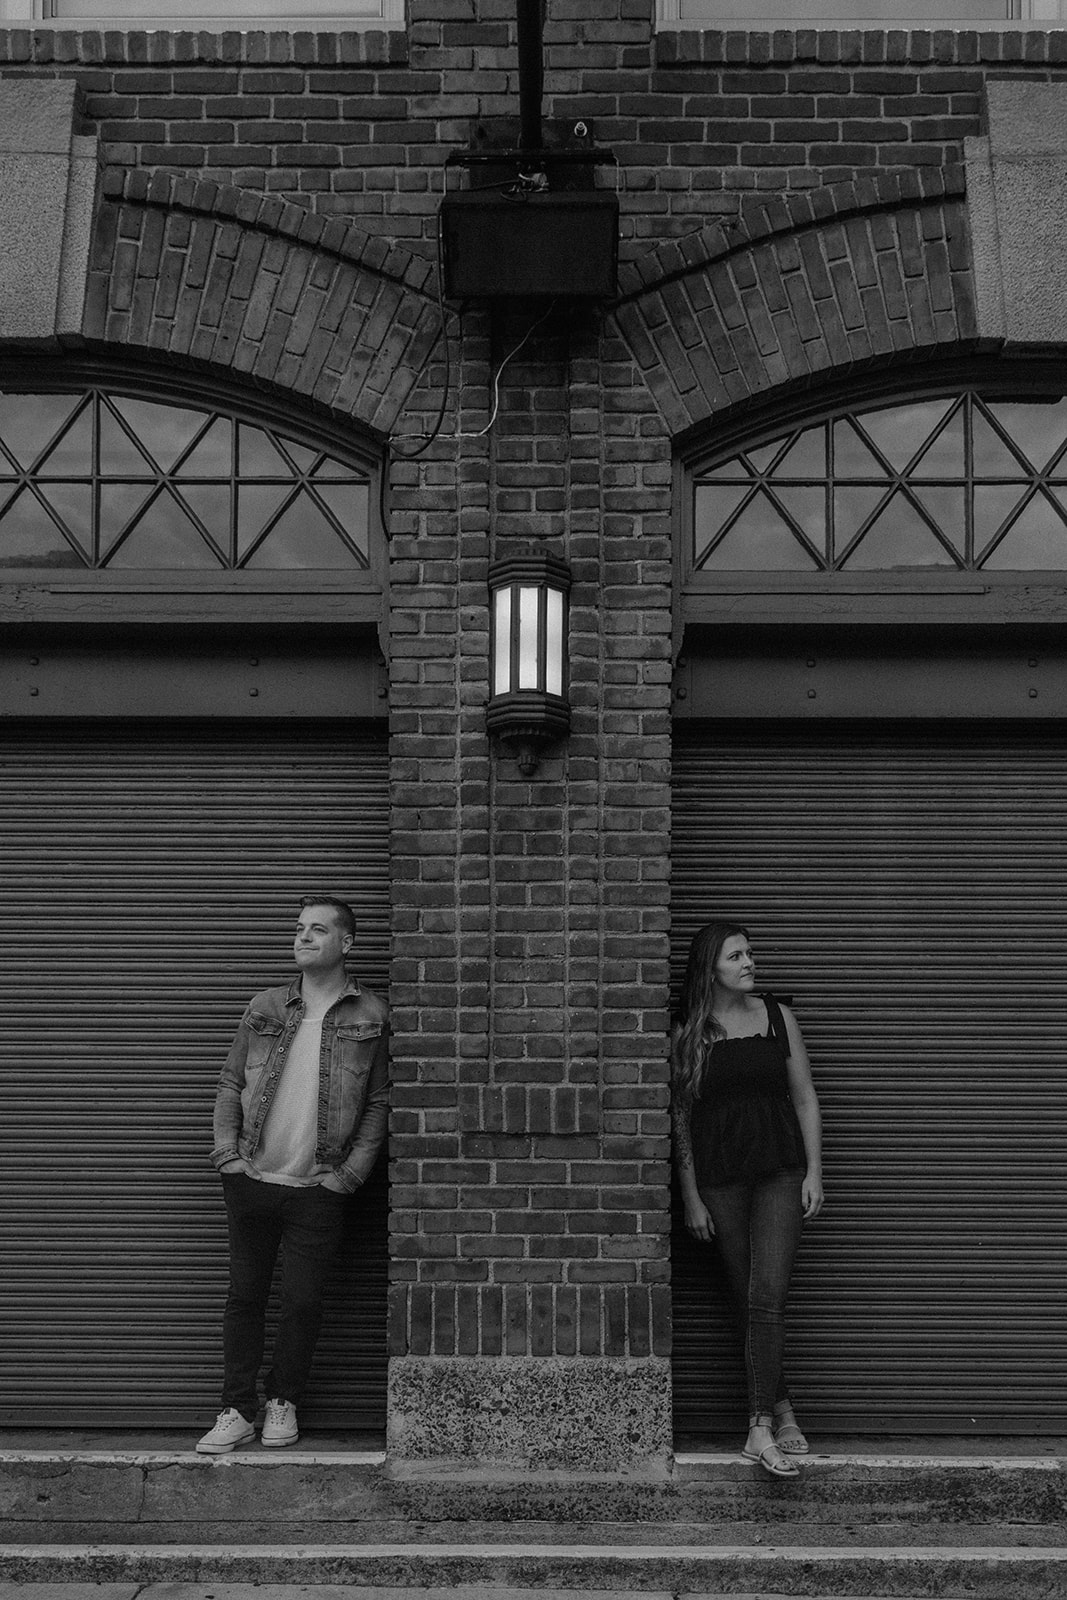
(748, 1146)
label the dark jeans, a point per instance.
(303, 1227)
(757, 1229)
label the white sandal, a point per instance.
(790, 1440)
(771, 1459)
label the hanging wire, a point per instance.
(442, 338)
(480, 434)
(427, 439)
(391, 453)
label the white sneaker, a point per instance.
(230, 1430)
(279, 1424)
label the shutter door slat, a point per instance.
(150, 878)
(907, 889)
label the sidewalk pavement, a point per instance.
(286, 1591)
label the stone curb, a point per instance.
(146, 1495)
(919, 1571)
(286, 1591)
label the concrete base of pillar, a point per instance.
(581, 1413)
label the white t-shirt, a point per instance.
(286, 1151)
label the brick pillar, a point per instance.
(530, 1312)
(530, 1305)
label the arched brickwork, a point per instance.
(258, 286)
(804, 285)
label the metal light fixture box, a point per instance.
(560, 244)
(529, 612)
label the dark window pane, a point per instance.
(72, 454)
(993, 505)
(852, 507)
(807, 508)
(806, 456)
(29, 421)
(211, 503)
(902, 431)
(1039, 431)
(119, 456)
(761, 541)
(211, 456)
(733, 472)
(350, 504)
(257, 457)
(1037, 539)
(947, 508)
(898, 537)
(165, 431)
(29, 537)
(714, 507)
(852, 457)
(257, 505)
(946, 455)
(329, 468)
(164, 537)
(119, 504)
(762, 460)
(73, 506)
(992, 457)
(300, 453)
(302, 537)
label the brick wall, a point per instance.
(792, 205)
(360, 124)
(531, 1116)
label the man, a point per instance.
(300, 1116)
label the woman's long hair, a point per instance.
(698, 1028)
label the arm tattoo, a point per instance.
(683, 1135)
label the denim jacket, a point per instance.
(353, 1078)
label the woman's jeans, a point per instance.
(267, 1221)
(757, 1229)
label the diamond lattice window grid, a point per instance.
(964, 482)
(107, 480)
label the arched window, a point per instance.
(965, 480)
(110, 478)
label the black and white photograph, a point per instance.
(533, 799)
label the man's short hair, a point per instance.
(346, 917)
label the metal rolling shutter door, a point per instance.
(908, 890)
(150, 875)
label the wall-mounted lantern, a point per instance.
(528, 595)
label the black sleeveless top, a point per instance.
(742, 1124)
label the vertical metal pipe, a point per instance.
(530, 19)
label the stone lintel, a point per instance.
(1017, 202)
(47, 191)
(580, 1413)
